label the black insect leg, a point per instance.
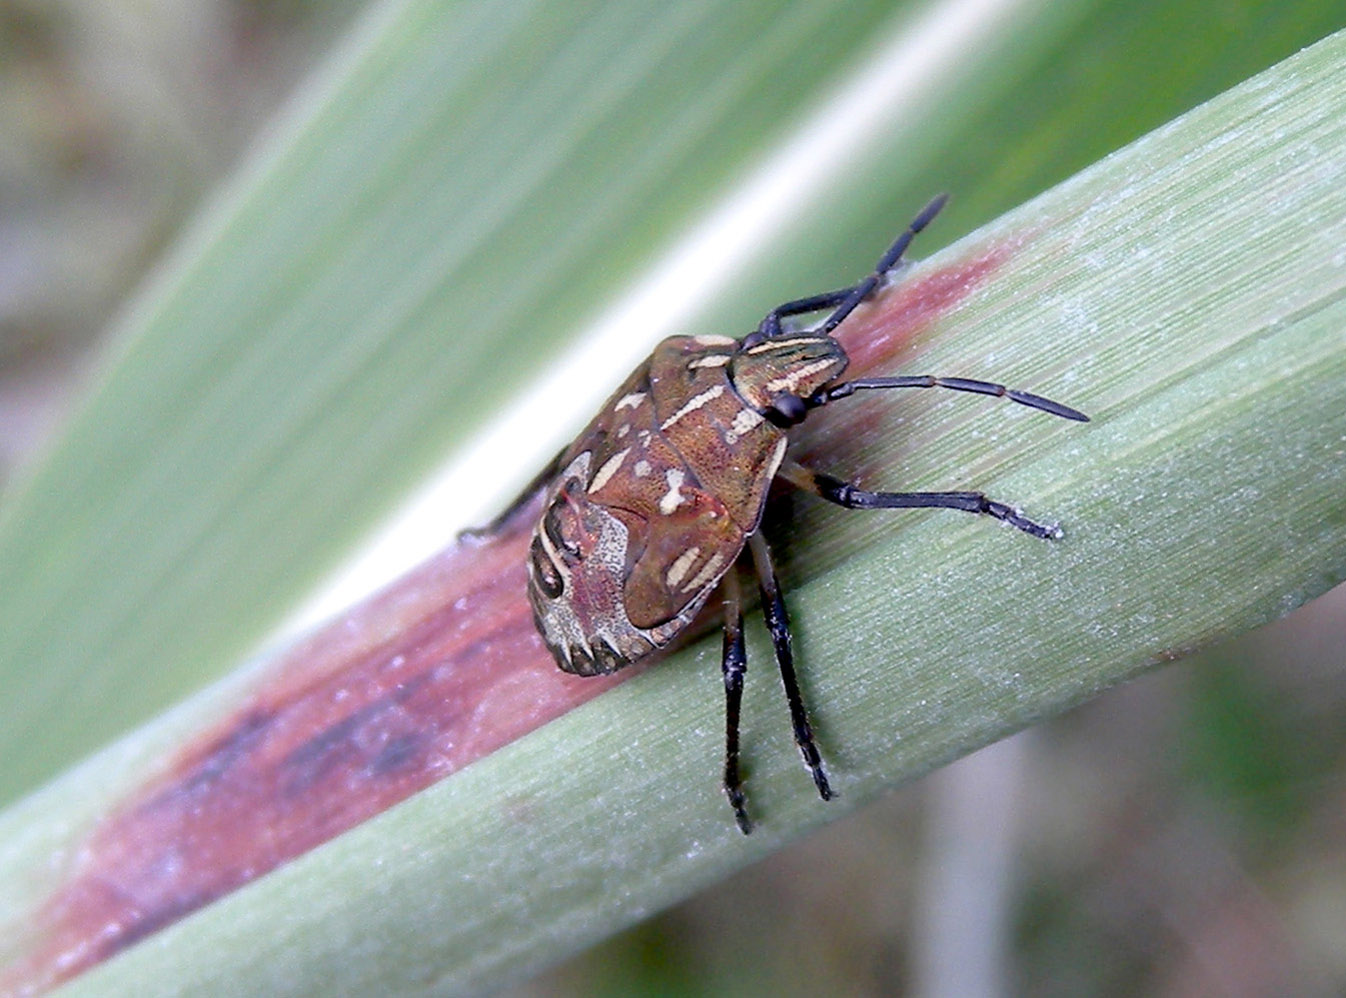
(887, 262)
(773, 609)
(735, 666)
(539, 482)
(845, 494)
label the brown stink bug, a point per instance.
(648, 512)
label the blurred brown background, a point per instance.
(1181, 836)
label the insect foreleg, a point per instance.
(734, 665)
(539, 483)
(773, 609)
(845, 494)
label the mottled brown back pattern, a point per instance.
(649, 512)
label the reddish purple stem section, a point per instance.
(433, 673)
(440, 669)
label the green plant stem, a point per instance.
(1188, 292)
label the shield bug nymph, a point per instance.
(651, 509)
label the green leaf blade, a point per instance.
(1203, 499)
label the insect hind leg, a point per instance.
(734, 666)
(778, 624)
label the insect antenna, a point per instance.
(845, 300)
(886, 263)
(1039, 402)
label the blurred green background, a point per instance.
(1180, 836)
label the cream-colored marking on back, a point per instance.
(771, 345)
(693, 404)
(711, 360)
(609, 469)
(744, 421)
(789, 381)
(681, 565)
(673, 498)
(707, 573)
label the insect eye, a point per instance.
(787, 411)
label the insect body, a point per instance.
(650, 510)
